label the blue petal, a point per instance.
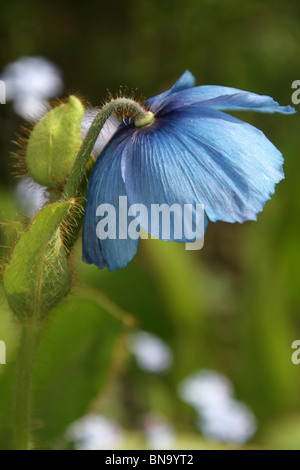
(105, 187)
(153, 175)
(221, 98)
(187, 80)
(203, 156)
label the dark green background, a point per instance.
(233, 306)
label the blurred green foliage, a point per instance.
(235, 305)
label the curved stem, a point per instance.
(22, 399)
(126, 105)
(32, 326)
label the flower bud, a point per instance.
(54, 143)
(37, 277)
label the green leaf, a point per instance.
(37, 276)
(76, 359)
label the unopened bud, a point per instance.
(54, 143)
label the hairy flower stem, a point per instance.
(119, 105)
(22, 400)
(32, 325)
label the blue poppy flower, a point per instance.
(191, 153)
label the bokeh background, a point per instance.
(118, 350)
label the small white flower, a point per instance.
(95, 432)
(151, 353)
(220, 416)
(35, 76)
(31, 197)
(159, 433)
(233, 422)
(31, 108)
(29, 82)
(205, 388)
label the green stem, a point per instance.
(130, 107)
(22, 399)
(32, 326)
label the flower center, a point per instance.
(145, 120)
